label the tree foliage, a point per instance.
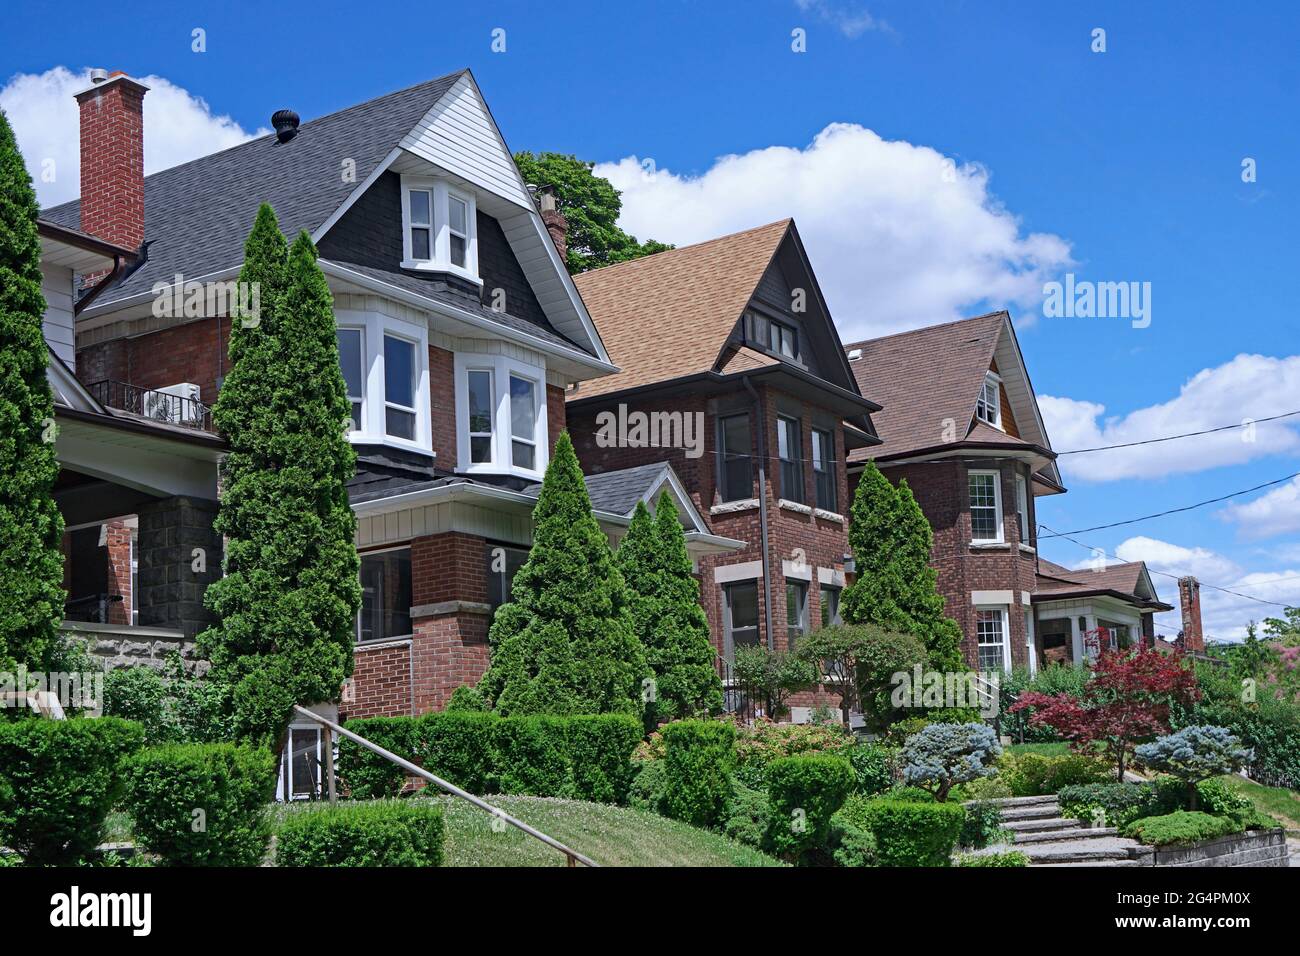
(31, 527)
(774, 676)
(940, 756)
(591, 205)
(665, 610)
(288, 600)
(860, 660)
(895, 584)
(1194, 754)
(565, 644)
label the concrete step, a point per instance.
(1034, 811)
(1041, 823)
(1076, 833)
(1018, 801)
(1077, 851)
(1089, 863)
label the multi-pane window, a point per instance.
(823, 456)
(985, 506)
(385, 595)
(399, 387)
(421, 201)
(352, 361)
(439, 227)
(1022, 508)
(523, 423)
(830, 605)
(736, 466)
(988, 408)
(458, 230)
(796, 611)
(991, 630)
(502, 565)
(782, 339)
(741, 624)
(479, 410)
(789, 449)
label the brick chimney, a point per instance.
(555, 222)
(112, 158)
(1189, 596)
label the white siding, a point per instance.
(56, 286)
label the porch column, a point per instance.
(179, 555)
(450, 616)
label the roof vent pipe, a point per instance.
(286, 124)
(98, 76)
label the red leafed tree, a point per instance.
(1126, 701)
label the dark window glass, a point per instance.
(399, 387)
(796, 611)
(783, 340)
(830, 606)
(480, 416)
(737, 464)
(351, 361)
(385, 595)
(789, 449)
(502, 565)
(742, 616)
(823, 455)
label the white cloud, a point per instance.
(900, 236)
(1249, 386)
(850, 21)
(178, 127)
(1272, 513)
(1224, 616)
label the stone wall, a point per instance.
(1253, 848)
(117, 646)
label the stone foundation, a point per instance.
(1253, 848)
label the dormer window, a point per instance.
(438, 231)
(988, 408)
(500, 416)
(783, 340)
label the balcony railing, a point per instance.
(739, 699)
(152, 403)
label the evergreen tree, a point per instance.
(564, 644)
(288, 601)
(895, 584)
(31, 527)
(664, 600)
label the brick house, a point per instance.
(961, 425)
(729, 347)
(459, 331)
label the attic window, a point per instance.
(989, 406)
(783, 340)
(438, 231)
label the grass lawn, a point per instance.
(612, 836)
(1055, 749)
(1277, 802)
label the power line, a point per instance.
(1173, 511)
(1204, 431)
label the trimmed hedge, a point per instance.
(368, 775)
(1121, 803)
(457, 746)
(906, 833)
(532, 756)
(873, 766)
(600, 752)
(231, 784)
(805, 792)
(385, 833)
(699, 756)
(1036, 775)
(58, 781)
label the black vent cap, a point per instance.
(286, 124)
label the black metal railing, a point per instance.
(153, 404)
(741, 700)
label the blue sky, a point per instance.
(1123, 165)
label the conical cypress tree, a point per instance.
(895, 584)
(664, 599)
(288, 601)
(564, 644)
(31, 563)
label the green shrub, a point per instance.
(1052, 679)
(805, 792)
(983, 825)
(851, 843)
(383, 833)
(1114, 804)
(201, 804)
(458, 745)
(600, 749)
(909, 795)
(1013, 858)
(699, 756)
(907, 833)
(58, 781)
(747, 815)
(984, 788)
(758, 744)
(368, 775)
(1181, 826)
(873, 766)
(1218, 799)
(531, 755)
(173, 707)
(466, 698)
(1035, 775)
(649, 789)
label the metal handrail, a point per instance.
(152, 403)
(573, 856)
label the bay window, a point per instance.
(352, 359)
(500, 415)
(385, 364)
(438, 231)
(1022, 508)
(736, 466)
(523, 423)
(823, 456)
(385, 595)
(479, 393)
(399, 388)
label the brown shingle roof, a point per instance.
(1054, 580)
(669, 315)
(925, 377)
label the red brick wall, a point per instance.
(112, 162)
(555, 419)
(118, 548)
(193, 352)
(381, 682)
(442, 406)
(449, 648)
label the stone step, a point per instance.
(1035, 811)
(1077, 851)
(1090, 863)
(1041, 823)
(1018, 801)
(1075, 833)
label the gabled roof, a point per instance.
(668, 315)
(1129, 581)
(930, 377)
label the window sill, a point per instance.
(794, 506)
(990, 545)
(379, 643)
(525, 473)
(733, 507)
(415, 265)
(366, 438)
(829, 515)
(1027, 548)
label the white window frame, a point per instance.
(989, 402)
(415, 386)
(1001, 611)
(439, 191)
(502, 368)
(356, 630)
(997, 506)
(374, 327)
(361, 331)
(1022, 509)
(1031, 647)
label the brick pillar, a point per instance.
(449, 617)
(117, 545)
(1189, 596)
(171, 587)
(112, 160)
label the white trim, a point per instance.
(374, 327)
(991, 379)
(1022, 507)
(1000, 538)
(833, 577)
(1006, 635)
(731, 573)
(991, 597)
(440, 192)
(796, 571)
(503, 367)
(1031, 646)
(1025, 597)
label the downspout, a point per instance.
(141, 257)
(762, 509)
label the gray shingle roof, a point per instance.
(199, 214)
(618, 492)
